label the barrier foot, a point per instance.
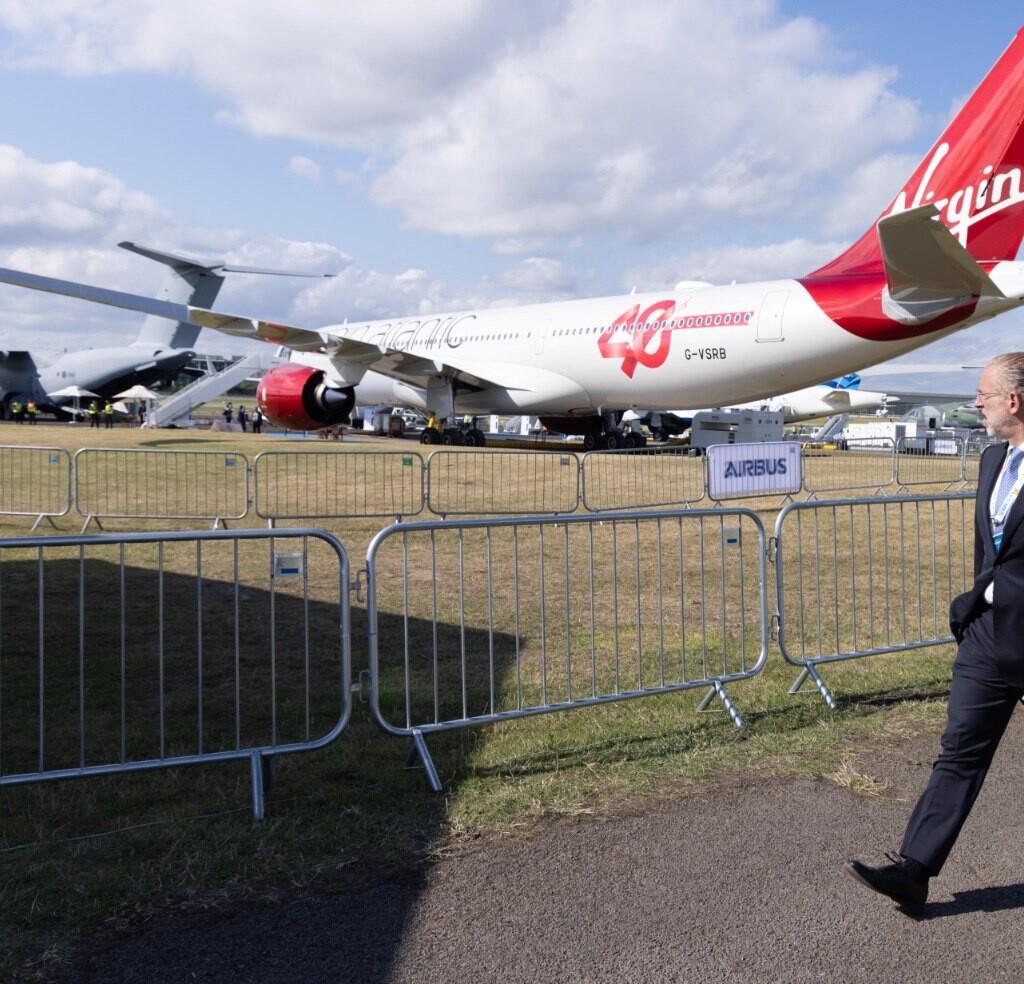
(219, 524)
(89, 520)
(39, 521)
(717, 690)
(812, 673)
(257, 765)
(419, 750)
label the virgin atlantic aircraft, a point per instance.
(941, 258)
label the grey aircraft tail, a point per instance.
(190, 282)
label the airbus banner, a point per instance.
(754, 469)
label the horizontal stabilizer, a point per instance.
(925, 261)
(185, 264)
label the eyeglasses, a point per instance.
(984, 396)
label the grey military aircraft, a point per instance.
(162, 349)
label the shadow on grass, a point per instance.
(104, 661)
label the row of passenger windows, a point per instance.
(695, 321)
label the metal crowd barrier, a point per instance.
(137, 651)
(337, 484)
(35, 481)
(641, 478)
(861, 463)
(159, 484)
(974, 448)
(929, 461)
(473, 622)
(861, 577)
(489, 482)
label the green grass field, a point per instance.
(185, 837)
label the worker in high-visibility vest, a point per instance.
(16, 411)
(108, 414)
(94, 414)
(30, 411)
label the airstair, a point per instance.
(209, 387)
(830, 429)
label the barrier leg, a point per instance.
(89, 520)
(419, 750)
(39, 520)
(810, 671)
(799, 681)
(256, 767)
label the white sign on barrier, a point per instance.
(772, 468)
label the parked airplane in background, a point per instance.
(824, 400)
(939, 259)
(162, 349)
(944, 414)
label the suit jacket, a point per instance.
(1004, 568)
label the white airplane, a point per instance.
(940, 259)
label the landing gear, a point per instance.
(475, 437)
(430, 435)
(453, 437)
(615, 440)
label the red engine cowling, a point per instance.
(296, 397)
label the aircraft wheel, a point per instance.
(453, 438)
(590, 442)
(430, 435)
(631, 440)
(613, 440)
(476, 438)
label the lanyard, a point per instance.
(999, 517)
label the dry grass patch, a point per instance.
(857, 782)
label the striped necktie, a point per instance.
(1006, 484)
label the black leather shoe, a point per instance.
(904, 881)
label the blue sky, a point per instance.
(488, 154)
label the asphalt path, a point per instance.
(734, 882)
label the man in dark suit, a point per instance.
(988, 624)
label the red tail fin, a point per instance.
(974, 175)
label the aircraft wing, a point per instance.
(345, 353)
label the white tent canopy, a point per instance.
(137, 392)
(75, 391)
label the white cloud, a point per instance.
(65, 201)
(540, 275)
(865, 192)
(518, 121)
(36, 236)
(722, 265)
(303, 167)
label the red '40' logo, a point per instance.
(644, 328)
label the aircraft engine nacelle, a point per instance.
(297, 397)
